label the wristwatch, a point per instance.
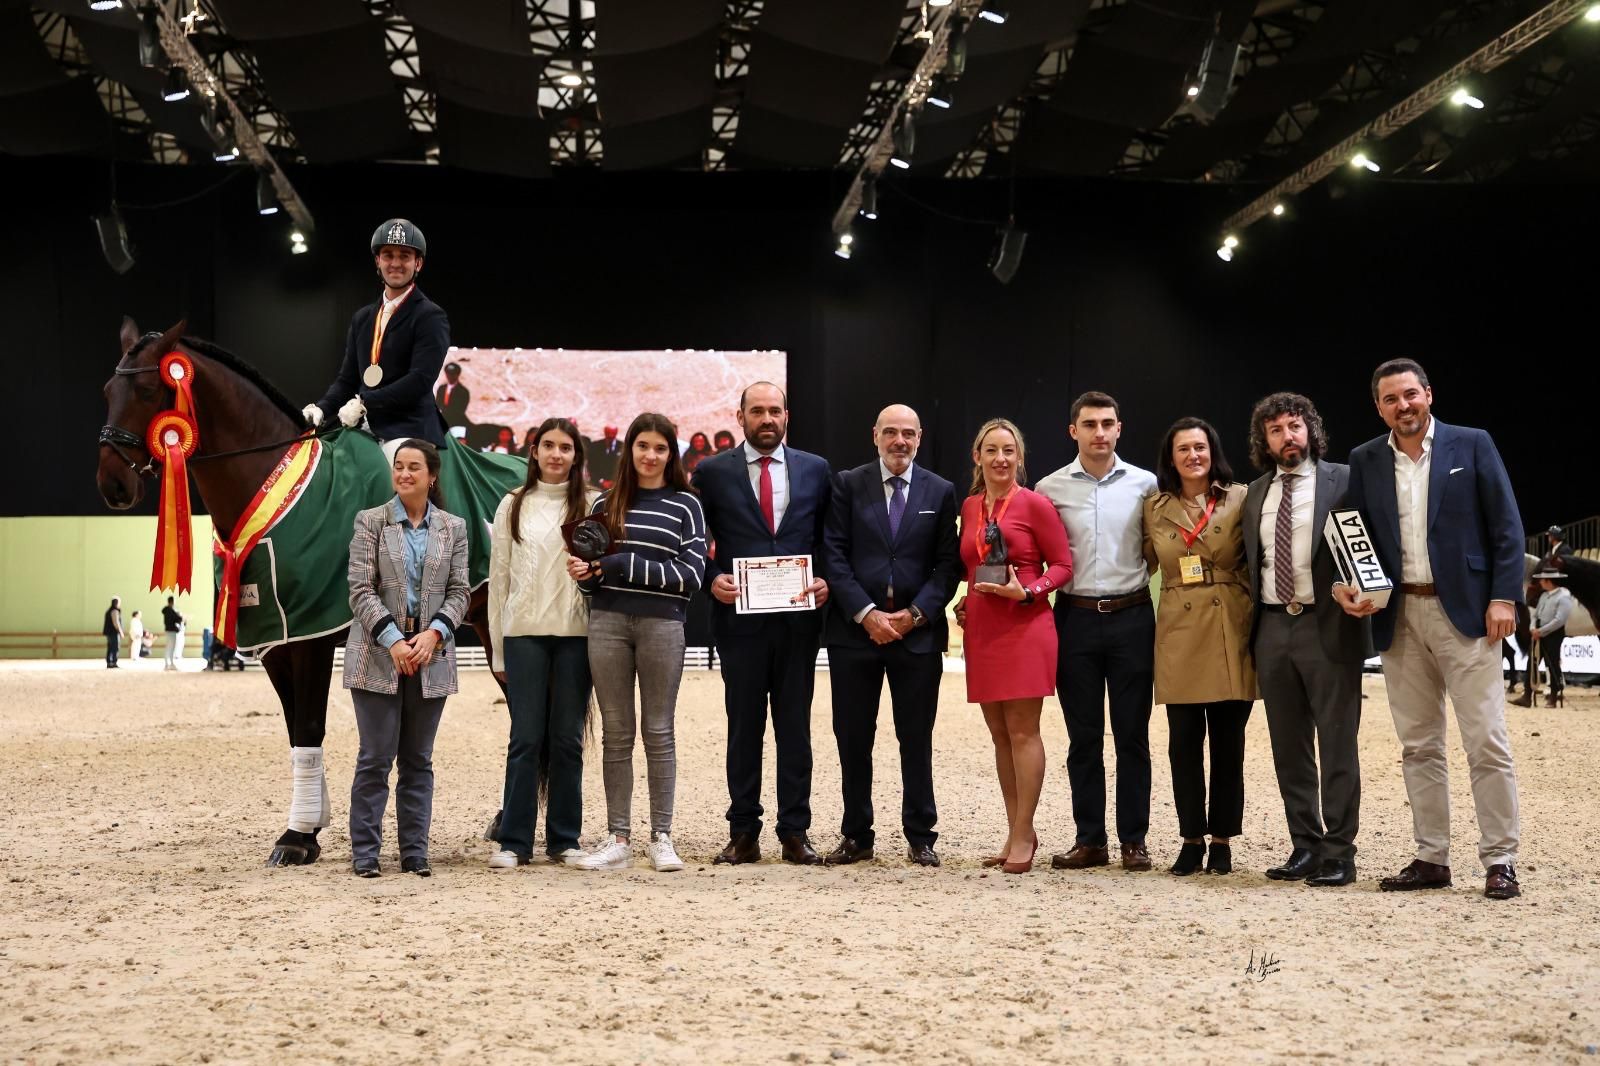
(918, 619)
(1027, 597)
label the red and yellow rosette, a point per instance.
(177, 373)
(171, 438)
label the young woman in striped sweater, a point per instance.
(639, 595)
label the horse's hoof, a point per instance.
(492, 834)
(294, 849)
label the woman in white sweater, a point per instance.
(538, 626)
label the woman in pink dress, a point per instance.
(1010, 637)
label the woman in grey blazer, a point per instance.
(408, 591)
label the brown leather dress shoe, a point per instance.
(847, 852)
(799, 851)
(1418, 875)
(1081, 857)
(923, 855)
(1502, 882)
(1135, 857)
(1524, 700)
(742, 848)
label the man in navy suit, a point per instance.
(393, 349)
(1441, 514)
(763, 498)
(890, 549)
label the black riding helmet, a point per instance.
(401, 233)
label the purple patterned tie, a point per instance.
(897, 505)
(1283, 543)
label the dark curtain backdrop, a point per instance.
(1489, 286)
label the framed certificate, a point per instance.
(769, 584)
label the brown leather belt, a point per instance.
(408, 625)
(1418, 589)
(1109, 606)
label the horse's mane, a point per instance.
(246, 371)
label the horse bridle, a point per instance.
(115, 437)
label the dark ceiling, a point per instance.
(1070, 87)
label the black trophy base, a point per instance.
(993, 574)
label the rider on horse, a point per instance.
(394, 349)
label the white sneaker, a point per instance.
(569, 857)
(662, 854)
(616, 855)
(506, 859)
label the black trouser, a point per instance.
(112, 643)
(778, 662)
(1550, 655)
(1187, 726)
(856, 676)
(1103, 654)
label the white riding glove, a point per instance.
(312, 414)
(353, 412)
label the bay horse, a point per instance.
(245, 426)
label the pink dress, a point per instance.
(1011, 647)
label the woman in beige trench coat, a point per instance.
(1204, 672)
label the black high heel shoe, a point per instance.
(1189, 857)
(1219, 860)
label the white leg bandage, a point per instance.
(308, 803)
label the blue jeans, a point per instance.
(112, 643)
(547, 690)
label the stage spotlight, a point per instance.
(846, 246)
(571, 79)
(869, 198)
(1593, 14)
(150, 53)
(177, 86)
(1225, 254)
(220, 131)
(939, 3)
(104, 5)
(1209, 91)
(955, 49)
(297, 243)
(1462, 98)
(266, 195)
(1007, 254)
(940, 94)
(1278, 210)
(114, 240)
(1230, 241)
(994, 13)
(905, 142)
(1362, 160)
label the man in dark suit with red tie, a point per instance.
(393, 350)
(892, 555)
(453, 397)
(764, 499)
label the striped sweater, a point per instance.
(661, 561)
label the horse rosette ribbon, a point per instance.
(171, 439)
(177, 373)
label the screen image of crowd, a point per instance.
(493, 398)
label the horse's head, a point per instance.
(134, 396)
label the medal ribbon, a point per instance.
(1004, 502)
(1205, 520)
(385, 313)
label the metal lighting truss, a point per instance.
(1517, 39)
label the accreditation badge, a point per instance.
(1191, 570)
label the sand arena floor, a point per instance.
(143, 927)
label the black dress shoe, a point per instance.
(416, 865)
(366, 867)
(923, 855)
(1417, 875)
(1189, 857)
(1333, 873)
(1302, 863)
(799, 851)
(1219, 859)
(847, 852)
(742, 848)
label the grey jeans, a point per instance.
(393, 728)
(622, 648)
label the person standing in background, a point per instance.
(111, 629)
(172, 621)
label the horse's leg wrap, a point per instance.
(308, 803)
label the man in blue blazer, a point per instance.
(394, 348)
(891, 552)
(1442, 517)
(763, 498)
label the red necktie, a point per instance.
(766, 492)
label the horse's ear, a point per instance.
(169, 339)
(130, 334)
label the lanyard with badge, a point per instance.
(1191, 570)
